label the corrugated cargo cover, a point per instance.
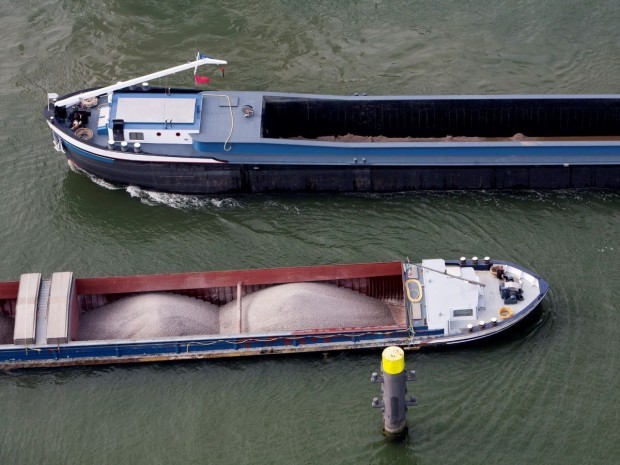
(59, 308)
(26, 310)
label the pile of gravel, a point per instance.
(150, 315)
(304, 306)
(7, 325)
(287, 307)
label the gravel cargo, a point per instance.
(150, 315)
(300, 306)
(6, 329)
(287, 307)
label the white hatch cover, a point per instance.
(156, 110)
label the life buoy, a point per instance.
(84, 133)
(505, 312)
(89, 102)
(414, 290)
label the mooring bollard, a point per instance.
(393, 381)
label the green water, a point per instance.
(548, 394)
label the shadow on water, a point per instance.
(522, 331)
(111, 212)
(90, 200)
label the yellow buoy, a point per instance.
(416, 296)
(393, 360)
(505, 312)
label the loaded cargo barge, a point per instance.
(144, 318)
(215, 142)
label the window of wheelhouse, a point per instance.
(461, 312)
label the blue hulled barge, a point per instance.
(226, 142)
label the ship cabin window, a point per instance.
(136, 136)
(462, 312)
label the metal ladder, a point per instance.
(42, 303)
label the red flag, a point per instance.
(201, 79)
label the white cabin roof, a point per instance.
(156, 109)
(445, 293)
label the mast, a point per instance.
(121, 85)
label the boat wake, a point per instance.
(147, 197)
(100, 182)
(179, 201)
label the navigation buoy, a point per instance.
(394, 405)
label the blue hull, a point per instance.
(148, 351)
(239, 178)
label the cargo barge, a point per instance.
(227, 142)
(65, 320)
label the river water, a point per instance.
(548, 394)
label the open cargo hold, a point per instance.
(290, 117)
(8, 306)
